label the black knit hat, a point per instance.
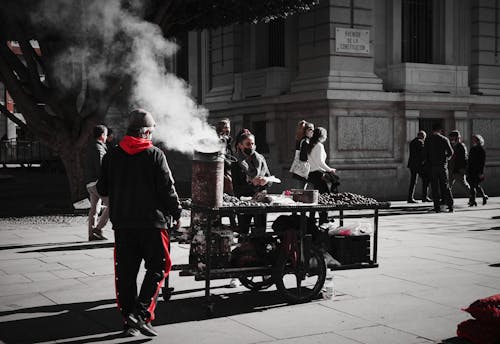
(140, 118)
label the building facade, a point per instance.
(371, 72)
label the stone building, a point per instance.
(372, 72)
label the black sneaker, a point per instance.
(97, 235)
(148, 330)
(130, 331)
(140, 324)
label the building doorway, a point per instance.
(426, 124)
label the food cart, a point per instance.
(295, 258)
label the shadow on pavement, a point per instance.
(75, 320)
(87, 246)
(488, 229)
(13, 247)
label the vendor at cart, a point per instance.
(250, 176)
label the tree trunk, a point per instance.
(74, 159)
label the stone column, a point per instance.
(321, 66)
(462, 125)
(412, 124)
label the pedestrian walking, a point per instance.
(142, 199)
(458, 161)
(438, 151)
(303, 134)
(475, 170)
(98, 204)
(319, 167)
(417, 169)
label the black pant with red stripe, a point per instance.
(131, 247)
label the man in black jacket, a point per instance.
(136, 177)
(416, 166)
(438, 151)
(458, 161)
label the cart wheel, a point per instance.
(166, 293)
(300, 283)
(256, 283)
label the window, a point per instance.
(416, 22)
(276, 43)
(260, 131)
(181, 58)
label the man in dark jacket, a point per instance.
(142, 197)
(438, 151)
(458, 161)
(416, 166)
(95, 153)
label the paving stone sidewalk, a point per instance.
(56, 287)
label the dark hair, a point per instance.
(455, 133)
(221, 124)
(437, 126)
(99, 130)
(318, 133)
(242, 135)
(110, 131)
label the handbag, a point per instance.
(331, 177)
(299, 167)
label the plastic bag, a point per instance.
(359, 228)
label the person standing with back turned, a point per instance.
(136, 177)
(416, 166)
(438, 151)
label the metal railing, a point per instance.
(24, 152)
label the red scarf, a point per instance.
(133, 145)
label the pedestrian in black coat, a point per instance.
(438, 151)
(142, 198)
(458, 161)
(416, 166)
(475, 169)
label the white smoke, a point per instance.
(115, 41)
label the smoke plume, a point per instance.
(110, 41)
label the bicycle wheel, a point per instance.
(297, 281)
(256, 283)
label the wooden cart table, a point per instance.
(299, 270)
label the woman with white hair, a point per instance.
(475, 169)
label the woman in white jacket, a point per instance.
(319, 167)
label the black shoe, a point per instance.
(148, 330)
(97, 235)
(437, 210)
(450, 209)
(140, 324)
(412, 200)
(485, 200)
(427, 199)
(130, 331)
(472, 204)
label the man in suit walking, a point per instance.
(438, 151)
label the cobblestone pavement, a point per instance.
(57, 287)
